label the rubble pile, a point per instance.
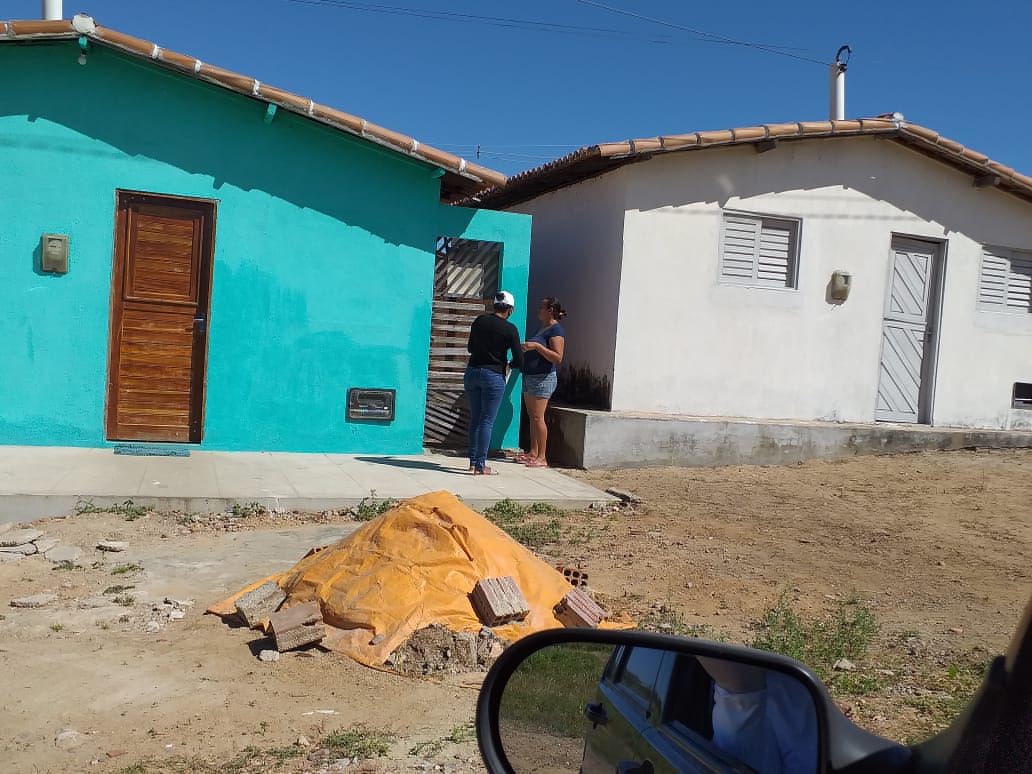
(428, 587)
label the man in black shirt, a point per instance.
(491, 338)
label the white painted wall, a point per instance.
(687, 344)
(576, 247)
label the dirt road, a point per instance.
(936, 547)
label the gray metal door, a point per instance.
(907, 332)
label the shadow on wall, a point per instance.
(877, 167)
(579, 386)
(146, 112)
(272, 376)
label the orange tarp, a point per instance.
(413, 566)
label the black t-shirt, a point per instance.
(490, 339)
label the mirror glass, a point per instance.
(595, 708)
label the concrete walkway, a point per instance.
(37, 481)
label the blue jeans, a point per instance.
(484, 389)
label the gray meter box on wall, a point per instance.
(366, 403)
(53, 251)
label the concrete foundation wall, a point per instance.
(597, 440)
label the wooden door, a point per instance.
(159, 318)
(465, 279)
(907, 331)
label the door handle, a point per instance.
(199, 324)
(596, 715)
(634, 767)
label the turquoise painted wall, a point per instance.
(323, 263)
(490, 226)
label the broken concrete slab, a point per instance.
(297, 626)
(64, 553)
(112, 546)
(624, 496)
(36, 600)
(26, 549)
(17, 537)
(45, 544)
(260, 603)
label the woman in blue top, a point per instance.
(542, 352)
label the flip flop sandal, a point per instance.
(536, 464)
(486, 472)
(521, 457)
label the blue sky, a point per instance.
(580, 74)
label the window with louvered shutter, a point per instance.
(758, 251)
(1005, 284)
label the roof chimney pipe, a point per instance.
(52, 10)
(837, 99)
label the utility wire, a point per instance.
(703, 34)
(497, 21)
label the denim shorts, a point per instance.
(539, 385)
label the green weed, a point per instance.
(126, 600)
(57, 627)
(67, 565)
(821, 643)
(126, 509)
(240, 511)
(358, 741)
(534, 525)
(427, 749)
(462, 733)
(125, 569)
(118, 589)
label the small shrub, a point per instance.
(371, 507)
(126, 600)
(118, 589)
(821, 643)
(67, 565)
(57, 627)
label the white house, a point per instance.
(846, 271)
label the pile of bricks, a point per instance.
(294, 627)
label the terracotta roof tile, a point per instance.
(461, 177)
(749, 133)
(595, 160)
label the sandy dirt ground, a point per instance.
(936, 546)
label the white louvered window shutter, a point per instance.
(1005, 283)
(758, 251)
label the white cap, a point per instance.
(505, 297)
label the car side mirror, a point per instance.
(589, 701)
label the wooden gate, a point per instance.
(465, 280)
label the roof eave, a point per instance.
(596, 160)
(460, 178)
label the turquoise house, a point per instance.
(190, 256)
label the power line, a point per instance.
(497, 21)
(703, 34)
